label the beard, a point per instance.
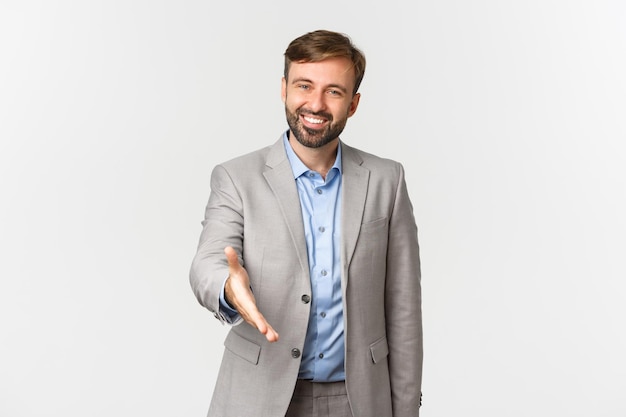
(314, 138)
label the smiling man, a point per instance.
(319, 98)
(309, 251)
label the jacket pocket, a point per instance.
(379, 350)
(375, 224)
(243, 348)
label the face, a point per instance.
(318, 100)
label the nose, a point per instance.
(317, 101)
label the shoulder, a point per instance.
(247, 169)
(249, 160)
(376, 164)
(255, 161)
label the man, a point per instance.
(309, 249)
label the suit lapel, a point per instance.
(279, 176)
(354, 192)
(355, 180)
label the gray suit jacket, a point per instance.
(254, 207)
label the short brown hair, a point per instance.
(319, 45)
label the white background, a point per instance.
(508, 117)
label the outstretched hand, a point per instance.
(239, 295)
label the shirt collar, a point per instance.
(297, 166)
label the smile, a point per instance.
(313, 120)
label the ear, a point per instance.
(283, 89)
(354, 104)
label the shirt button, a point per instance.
(319, 191)
(305, 299)
(321, 356)
(295, 353)
(322, 229)
(324, 273)
(311, 175)
(323, 314)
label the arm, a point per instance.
(403, 307)
(222, 226)
(217, 266)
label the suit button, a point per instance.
(295, 353)
(306, 299)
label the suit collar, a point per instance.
(279, 177)
(354, 193)
(276, 155)
(355, 180)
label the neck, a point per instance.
(320, 159)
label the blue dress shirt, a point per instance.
(323, 351)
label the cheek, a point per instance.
(345, 111)
(294, 102)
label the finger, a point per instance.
(271, 335)
(265, 328)
(251, 314)
(231, 257)
(246, 306)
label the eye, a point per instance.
(335, 92)
(303, 87)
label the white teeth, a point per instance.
(312, 120)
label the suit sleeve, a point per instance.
(222, 226)
(403, 306)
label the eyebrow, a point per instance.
(306, 80)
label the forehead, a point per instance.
(329, 71)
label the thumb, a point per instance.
(231, 257)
